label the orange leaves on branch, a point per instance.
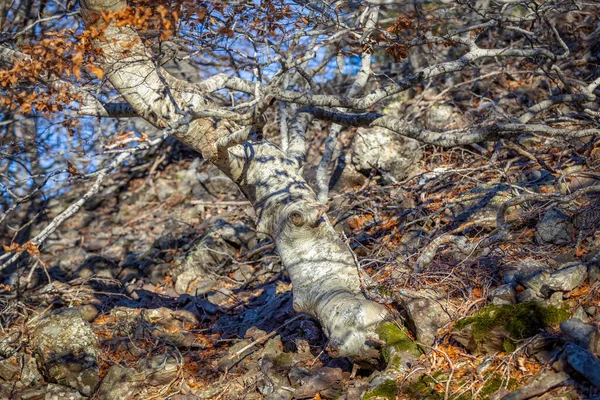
(29, 247)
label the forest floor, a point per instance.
(187, 301)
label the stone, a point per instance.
(214, 248)
(89, 312)
(554, 228)
(504, 294)
(482, 203)
(67, 350)
(385, 151)
(425, 312)
(9, 369)
(119, 383)
(235, 353)
(580, 313)
(567, 278)
(584, 362)
(160, 369)
(171, 319)
(439, 115)
(582, 334)
(324, 378)
(30, 375)
(544, 283)
(59, 392)
(528, 295)
(540, 384)
(165, 189)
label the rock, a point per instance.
(89, 312)
(567, 278)
(165, 189)
(555, 228)
(30, 376)
(9, 369)
(584, 362)
(438, 116)
(564, 280)
(235, 353)
(385, 151)
(170, 319)
(496, 328)
(160, 369)
(504, 294)
(37, 393)
(594, 272)
(297, 375)
(67, 350)
(214, 248)
(324, 378)
(483, 202)
(58, 392)
(529, 295)
(425, 312)
(556, 299)
(581, 314)
(582, 334)
(540, 384)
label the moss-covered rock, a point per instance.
(399, 348)
(387, 390)
(497, 328)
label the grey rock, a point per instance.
(567, 278)
(213, 249)
(89, 312)
(386, 151)
(555, 228)
(580, 313)
(297, 375)
(439, 116)
(324, 378)
(235, 353)
(160, 369)
(483, 202)
(540, 384)
(564, 280)
(36, 393)
(59, 392)
(584, 362)
(594, 272)
(525, 270)
(165, 189)
(582, 334)
(9, 369)
(556, 299)
(67, 350)
(528, 295)
(425, 312)
(30, 375)
(504, 294)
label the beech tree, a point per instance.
(211, 73)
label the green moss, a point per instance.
(396, 338)
(494, 383)
(519, 320)
(423, 389)
(385, 290)
(387, 390)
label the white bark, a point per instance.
(322, 269)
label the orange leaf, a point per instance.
(96, 71)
